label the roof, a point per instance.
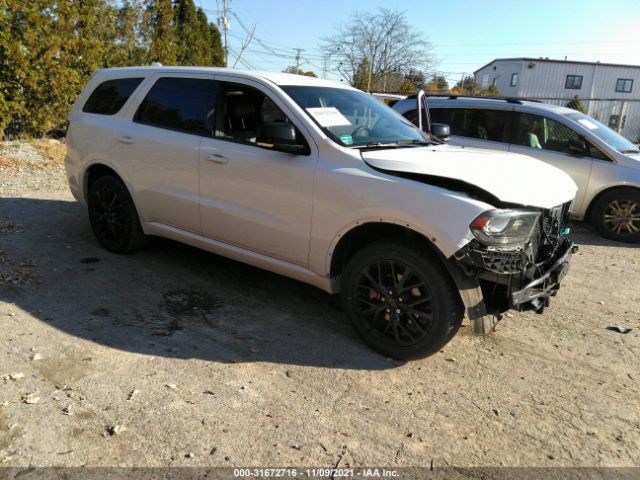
(278, 78)
(481, 102)
(549, 60)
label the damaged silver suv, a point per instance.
(322, 183)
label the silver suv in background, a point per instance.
(604, 165)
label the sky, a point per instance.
(464, 34)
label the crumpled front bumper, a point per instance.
(489, 287)
(537, 292)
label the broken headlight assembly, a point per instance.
(505, 228)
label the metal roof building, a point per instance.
(609, 92)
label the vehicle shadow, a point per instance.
(583, 234)
(168, 300)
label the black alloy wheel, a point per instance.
(400, 299)
(113, 216)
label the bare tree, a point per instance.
(245, 44)
(386, 40)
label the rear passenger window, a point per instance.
(483, 124)
(183, 104)
(109, 97)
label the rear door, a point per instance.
(477, 127)
(253, 197)
(160, 148)
(547, 139)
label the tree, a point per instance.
(217, 52)
(50, 48)
(40, 72)
(407, 87)
(576, 104)
(386, 40)
(203, 45)
(361, 77)
(492, 91)
(415, 78)
(129, 46)
(163, 46)
(187, 31)
(468, 86)
(437, 84)
(299, 71)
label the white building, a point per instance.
(609, 92)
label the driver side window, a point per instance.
(243, 111)
(536, 131)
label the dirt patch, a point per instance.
(66, 367)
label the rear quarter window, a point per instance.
(109, 97)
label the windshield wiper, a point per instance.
(396, 144)
(415, 142)
(630, 151)
(377, 145)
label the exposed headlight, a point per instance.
(504, 227)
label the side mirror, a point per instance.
(281, 137)
(441, 131)
(577, 146)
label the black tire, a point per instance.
(416, 320)
(113, 216)
(616, 215)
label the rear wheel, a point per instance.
(113, 216)
(400, 299)
(616, 215)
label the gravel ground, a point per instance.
(177, 357)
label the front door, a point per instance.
(254, 197)
(547, 139)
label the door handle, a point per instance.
(217, 158)
(126, 139)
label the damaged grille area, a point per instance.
(505, 272)
(501, 262)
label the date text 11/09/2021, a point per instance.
(315, 472)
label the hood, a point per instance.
(510, 177)
(632, 161)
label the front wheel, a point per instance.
(616, 215)
(400, 299)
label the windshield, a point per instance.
(608, 136)
(353, 118)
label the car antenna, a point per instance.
(421, 99)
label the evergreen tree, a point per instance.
(186, 31)
(217, 51)
(129, 49)
(203, 46)
(163, 47)
(437, 84)
(361, 77)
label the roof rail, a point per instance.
(518, 100)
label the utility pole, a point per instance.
(223, 21)
(298, 50)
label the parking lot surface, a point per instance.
(174, 356)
